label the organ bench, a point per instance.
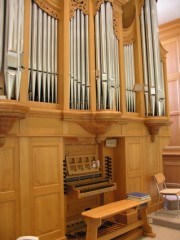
(94, 219)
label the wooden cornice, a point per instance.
(10, 112)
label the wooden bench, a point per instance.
(94, 218)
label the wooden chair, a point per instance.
(164, 191)
(27, 238)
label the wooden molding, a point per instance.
(154, 124)
(10, 112)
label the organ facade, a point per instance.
(83, 110)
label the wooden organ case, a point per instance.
(76, 75)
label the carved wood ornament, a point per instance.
(78, 4)
(154, 125)
(53, 9)
(115, 16)
(129, 34)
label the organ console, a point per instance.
(84, 177)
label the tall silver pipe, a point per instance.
(117, 78)
(49, 58)
(79, 57)
(44, 56)
(39, 53)
(82, 61)
(55, 59)
(75, 64)
(133, 78)
(150, 55)
(29, 59)
(157, 61)
(52, 59)
(71, 57)
(10, 54)
(103, 56)
(87, 84)
(98, 67)
(2, 9)
(20, 43)
(34, 48)
(145, 74)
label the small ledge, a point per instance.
(154, 124)
(10, 112)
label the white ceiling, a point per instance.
(168, 10)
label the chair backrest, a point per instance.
(27, 238)
(160, 181)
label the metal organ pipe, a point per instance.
(79, 61)
(12, 31)
(157, 61)
(153, 79)
(107, 60)
(129, 77)
(43, 63)
(1, 31)
(145, 73)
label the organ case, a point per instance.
(65, 97)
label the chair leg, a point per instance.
(178, 205)
(157, 204)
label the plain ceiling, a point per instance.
(168, 10)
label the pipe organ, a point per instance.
(11, 45)
(43, 58)
(74, 129)
(153, 78)
(79, 61)
(107, 60)
(130, 77)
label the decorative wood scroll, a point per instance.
(10, 112)
(115, 16)
(78, 4)
(96, 126)
(129, 34)
(50, 7)
(116, 24)
(154, 125)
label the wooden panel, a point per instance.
(46, 171)
(171, 164)
(7, 221)
(173, 90)
(172, 56)
(134, 184)
(47, 214)
(134, 154)
(175, 130)
(6, 170)
(45, 158)
(75, 207)
(9, 191)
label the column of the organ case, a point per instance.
(64, 175)
(108, 167)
